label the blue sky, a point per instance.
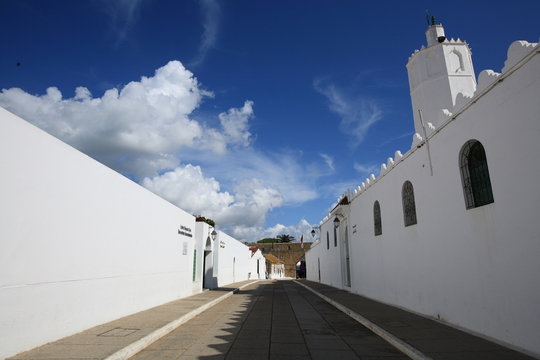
(258, 114)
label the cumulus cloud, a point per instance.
(145, 130)
(189, 189)
(211, 18)
(137, 129)
(235, 123)
(357, 114)
(241, 212)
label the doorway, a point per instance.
(208, 266)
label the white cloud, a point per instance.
(211, 18)
(189, 189)
(285, 172)
(365, 169)
(235, 124)
(357, 114)
(253, 234)
(328, 160)
(144, 129)
(122, 15)
(137, 129)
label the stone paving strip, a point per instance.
(124, 337)
(417, 336)
(271, 320)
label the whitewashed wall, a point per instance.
(80, 245)
(233, 260)
(477, 269)
(257, 265)
(277, 271)
(327, 254)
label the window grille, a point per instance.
(475, 175)
(377, 218)
(409, 207)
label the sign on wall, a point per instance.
(184, 248)
(184, 230)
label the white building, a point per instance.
(258, 264)
(275, 268)
(450, 229)
(81, 245)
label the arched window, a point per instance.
(327, 240)
(377, 222)
(409, 207)
(475, 175)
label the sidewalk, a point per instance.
(430, 338)
(278, 320)
(122, 338)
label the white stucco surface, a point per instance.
(478, 268)
(80, 245)
(257, 268)
(234, 260)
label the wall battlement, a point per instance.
(518, 53)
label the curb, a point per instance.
(399, 344)
(141, 344)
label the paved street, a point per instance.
(271, 320)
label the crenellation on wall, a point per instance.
(461, 100)
(443, 265)
(486, 78)
(517, 51)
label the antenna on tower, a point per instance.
(430, 19)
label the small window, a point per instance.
(335, 236)
(409, 207)
(475, 175)
(327, 240)
(377, 222)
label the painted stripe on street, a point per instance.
(396, 342)
(141, 344)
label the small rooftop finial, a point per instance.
(430, 19)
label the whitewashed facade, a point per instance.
(275, 268)
(475, 267)
(257, 264)
(233, 261)
(81, 245)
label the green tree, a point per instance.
(285, 238)
(210, 222)
(267, 241)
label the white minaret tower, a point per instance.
(437, 74)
